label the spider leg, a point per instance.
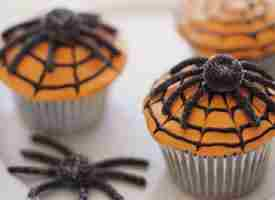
(17, 40)
(40, 157)
(25, 49)
(6, 34)
(120, 162)
(190, 103)
(121, 176)
(100, 40)
(198, 61)
(91, 16)
(109, 29)
(31, 170)
(246, 106)
(261, 95)
(34, 192)
(47, 141)
(91, 20)
(184, 85)
(255, 68)
(83, 193)
(96, 50)
(50, 60)
(106, 188)
(163, 86)
(258, 79)
(166, 109)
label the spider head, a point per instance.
(91, 19)
(222, 73)
(62, 24)
(74, 168)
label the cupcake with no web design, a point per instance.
(59, 66)
(214, 120)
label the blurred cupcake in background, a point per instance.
(59, 66)
(214, 121)
(242, 28)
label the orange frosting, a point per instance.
(63, 64)
(244, 29)
(216, 127)
(32, 68)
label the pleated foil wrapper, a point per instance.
(62, 117)
(215, 178)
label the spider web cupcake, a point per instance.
(242, 28)
(59, 66)
(214, 120)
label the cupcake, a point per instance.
(59, 66)
(244, 29)
(214, 120)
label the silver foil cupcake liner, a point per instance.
(217, 177)
(62, 117)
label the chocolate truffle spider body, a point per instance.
(76, 172)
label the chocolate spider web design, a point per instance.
(60, 26)
(252, 35)
(224, 36)
(250, 6)
(160, 127)
(74, 65)
(233, 50)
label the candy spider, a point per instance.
(59, 26)
(219, 74)
(76, 172)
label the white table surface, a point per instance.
(154, 47)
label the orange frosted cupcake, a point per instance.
(59, 66)
(214, 120)
(242, 28)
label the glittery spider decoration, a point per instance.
(76, 172)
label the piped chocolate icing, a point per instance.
(242, 28)
(60, 28)
(219, 77)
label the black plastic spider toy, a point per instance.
(76, 172)
(219, 74)
(60, 26)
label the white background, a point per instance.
(153, 47)
(13, 10)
